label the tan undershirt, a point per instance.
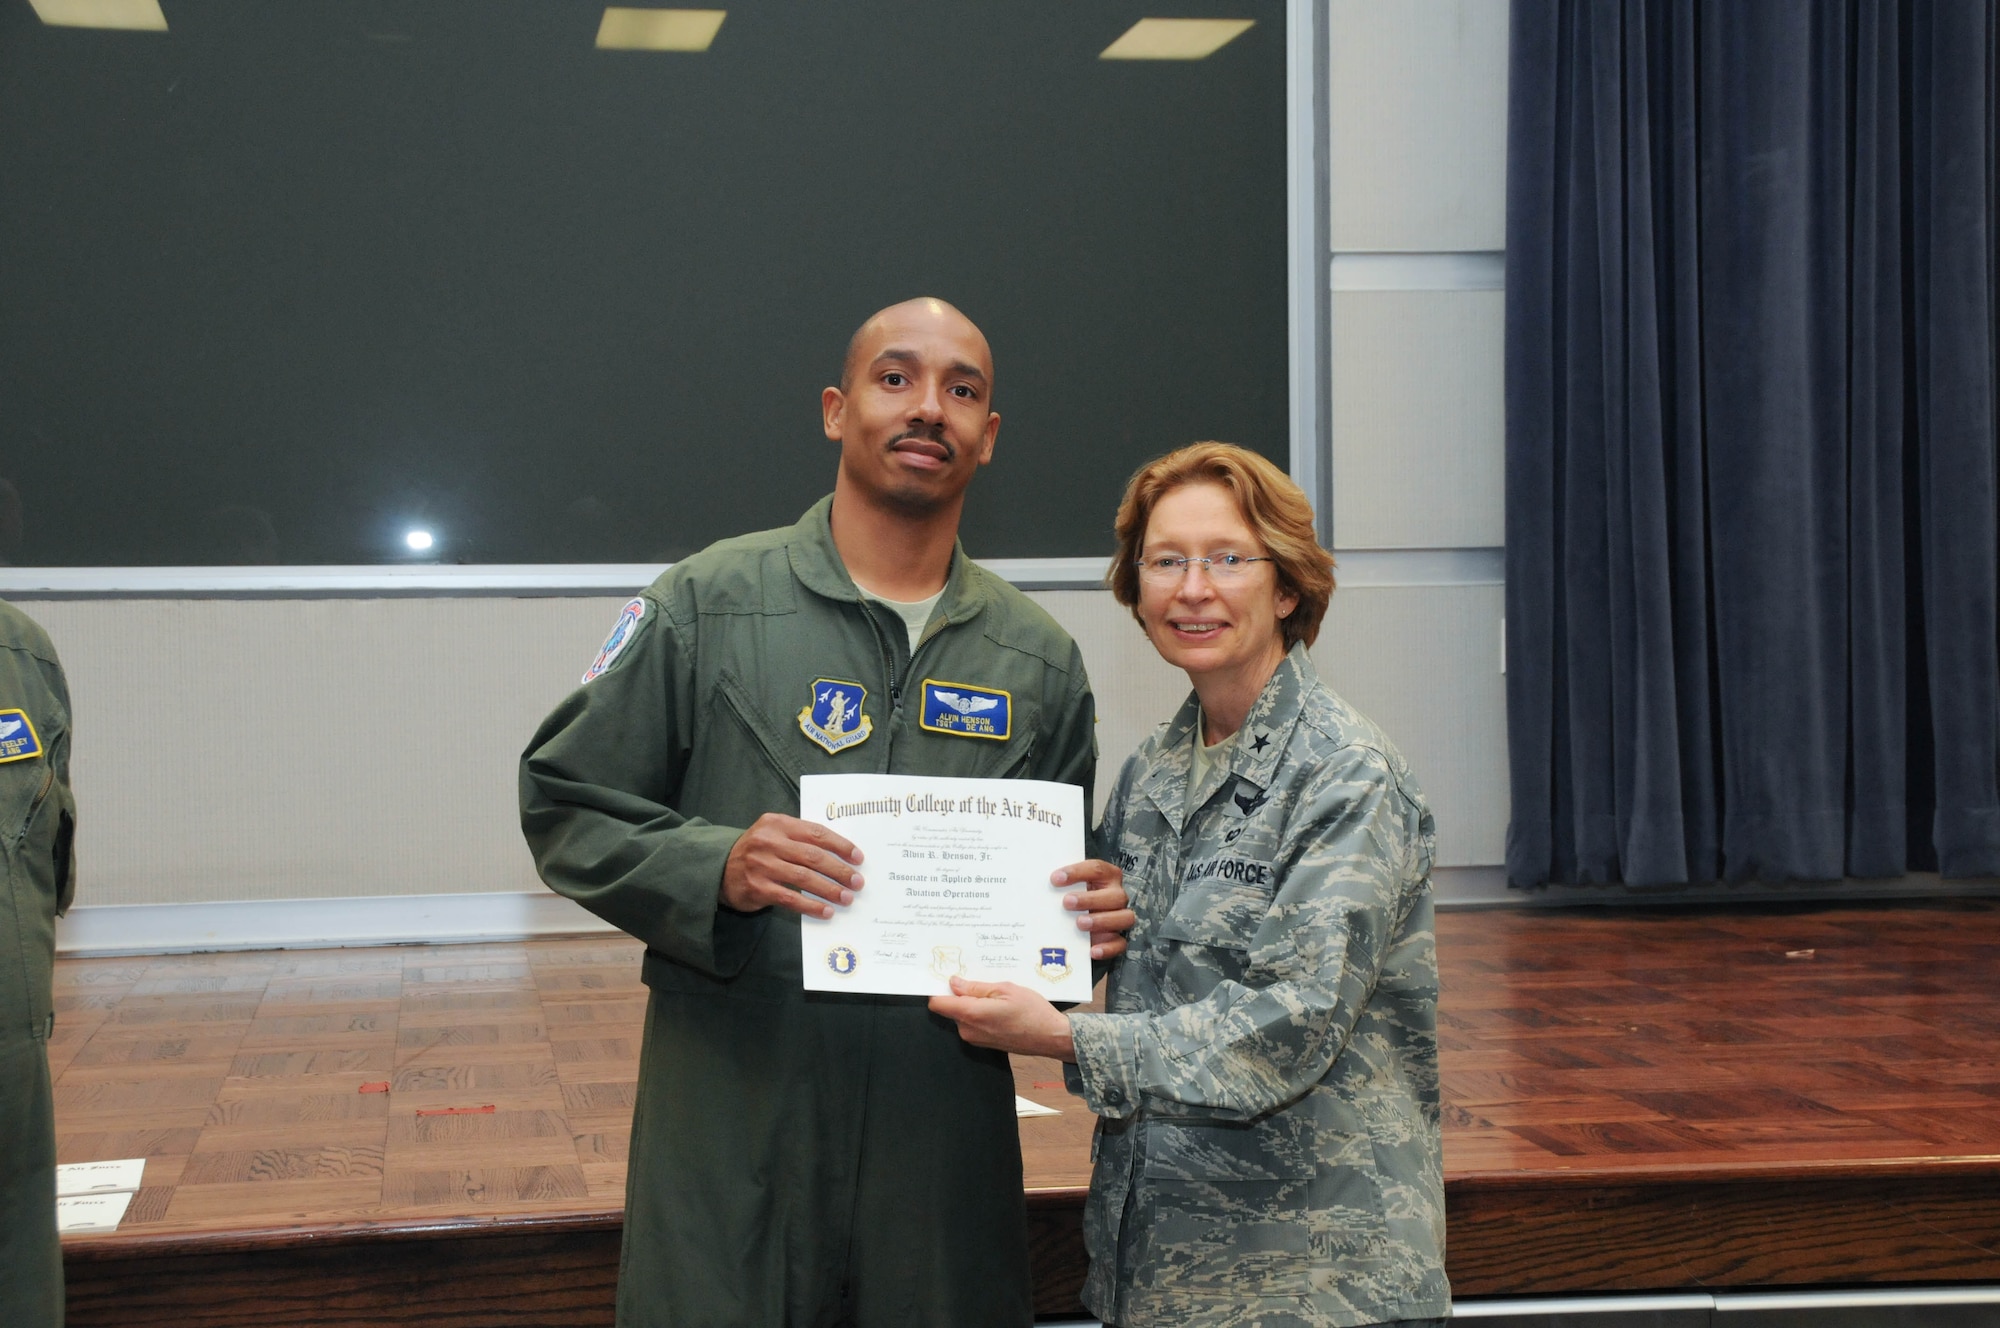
(1207, 756)
(916, 614)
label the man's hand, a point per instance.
(1103, 904)
(1007, 1018)
(791, 863)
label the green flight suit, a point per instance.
(796, 1159)
(39, 819)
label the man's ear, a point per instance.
(832, 404)
(992, 432)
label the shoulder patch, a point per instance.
(967, 710)
(18, 740)
(622, 632)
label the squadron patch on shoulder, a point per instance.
(621, 636)
(967, 711)
(18, 741)
(834, 718)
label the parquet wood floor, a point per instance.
(510, 1069)
(1609, 1045)
(1632, 1099)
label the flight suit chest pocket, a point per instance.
(751, 727)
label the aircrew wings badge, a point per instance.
(621, 636)
(967, 711)
(833, 718)
(18, 741)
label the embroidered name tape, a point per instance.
(967, 711)
(621, 636)
(17, 736)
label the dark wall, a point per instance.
(288, 280)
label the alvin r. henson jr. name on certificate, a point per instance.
(957, 885)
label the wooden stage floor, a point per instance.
(1633, 1100)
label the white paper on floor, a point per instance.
(91, 1212)
(99, 1177)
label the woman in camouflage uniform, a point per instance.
(1265, 1070)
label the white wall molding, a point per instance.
(1723, 1302)
(514, 580)
(1382, 567)
(1476, 270)
(319, 924)
(315, 924)
(1308, 306)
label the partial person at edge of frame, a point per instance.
(40, 820)
(1265, 1070)
(777, 1138)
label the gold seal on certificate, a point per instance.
(957, 874)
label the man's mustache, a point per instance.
(926, 434)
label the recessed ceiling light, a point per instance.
(419, 540)
(130, 15)
(658, 29)
(1176, 38)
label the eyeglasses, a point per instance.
(1219, 566)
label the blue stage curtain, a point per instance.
(1753, 530)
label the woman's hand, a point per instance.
(1102, 901)
(1005, 1017)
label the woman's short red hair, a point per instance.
(1271, 505)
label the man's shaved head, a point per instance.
(922, 308)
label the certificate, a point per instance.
(956, 876)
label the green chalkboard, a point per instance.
(287, 281)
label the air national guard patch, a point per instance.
(17, 737)
(967, 711)
(621, 636)
(833, 717)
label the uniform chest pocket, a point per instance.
(1223, 914)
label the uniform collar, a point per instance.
(1268, 727)
(817, 565)
(1259, 744)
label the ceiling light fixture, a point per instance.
(658, 29)
(125, 15)
(1176, 38)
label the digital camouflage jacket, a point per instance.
(1265, 1073)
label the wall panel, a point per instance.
(1424, 663)
(276, 749)
(1418, 445)
(1418, 124)
(302, 749)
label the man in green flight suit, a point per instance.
(40, 824)
(814, 1160)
